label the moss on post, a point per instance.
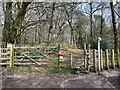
(118, 58)
(94, 60)
(85, 55)
(11, 56)
(101, 59)
(112, 59)
(106, 59)
(71, 60)
(58, 55)
(88, 59)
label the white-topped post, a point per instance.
(9, 45)
(99, 68)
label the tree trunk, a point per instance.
(114, 27)
(7, 23)
(91, 22)
(69, 20)
(39, 36)
(51, 23)
(101, 27)
(12, 26)
(119, 34)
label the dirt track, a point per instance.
(40, 80)
(108, 79)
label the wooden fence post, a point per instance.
(94, 60)
(112, 59)
(106, 59)
(88, 59)
(11, 56)
(85, 55)
(118, 58)
(60, 56)
(71, 60)
(101, 59)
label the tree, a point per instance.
(13, 21)
(69, 11)
(115, 32)
(80, 28)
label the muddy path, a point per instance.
(108, 79)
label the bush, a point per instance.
(94, 44)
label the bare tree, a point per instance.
(115, 32)
(12, 25)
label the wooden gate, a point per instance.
(39, 55)
(4, 56)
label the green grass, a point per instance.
(16, 69)
(1, 69)
(60, 70)
(83, 70)
(65, 70)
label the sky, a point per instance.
(84, 8)
(106, 12)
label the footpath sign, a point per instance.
(61, 52)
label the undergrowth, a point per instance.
(30, 69)
(16, 69)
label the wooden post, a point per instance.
(101, 59)
(58, 55)
(0, 54)
(94, 60)
(71, 59)
(11, 56)
(61, 59)
(106, 59)
(112, 59)
(118, 58)
(85, 55)
(88, 59)
(99, 68)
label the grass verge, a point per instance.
(30, 69)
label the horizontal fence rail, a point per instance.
(28, 55)
(4, 55)
(45, 55)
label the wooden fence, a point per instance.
(38, 55)
(5, 55)
(42, 55)
(108, 59)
